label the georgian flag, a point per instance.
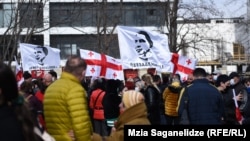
(140, 48)
(183, 65)
(29, 61)
(101, 65)
(238, 114)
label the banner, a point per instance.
(101, 65)
(183, 65)
(36, 57)
(140, 49)
(19, 73)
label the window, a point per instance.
(87, 14)
(6, 14)
(31, 15)
(239, 52)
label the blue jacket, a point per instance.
(205, 103)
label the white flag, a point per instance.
(101, 65)
(183, 65)
(140, 48)
(36, 57)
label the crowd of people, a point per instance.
(76, 107)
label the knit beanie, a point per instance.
(131, 98)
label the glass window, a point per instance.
(86, 14)
(6, 14)
(31, 15)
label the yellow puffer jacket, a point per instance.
(170, 98)
(66, 108)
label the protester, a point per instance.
(204, 101)
(34, 105)
(238, 89)
(96, 106)
(111, 101)
(223, 85)
(65, 104)
(152, 99)
(16, 122)
(133, 112)
(170, 97)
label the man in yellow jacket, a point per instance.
(65, 104)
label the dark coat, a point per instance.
(10, 127)
(153, 100)
(205, 103)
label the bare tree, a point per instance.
(23, 20)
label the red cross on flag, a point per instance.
(101, 65)
(183, 65)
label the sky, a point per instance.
(232, 8)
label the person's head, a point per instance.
(147, 79)
(26, 87)
(143, 44)
(234, 78)
(130, 98)
(53, 74)
(223, 82)
(76, 66)
(27, 76)
(47, 79)
(215, 74)
(199, 73)
(40, 53)
(157, 79)
(176, 77)
(138, 83)
(8, 84)
(190, 78)
(99, 83)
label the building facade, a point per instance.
(90, 24)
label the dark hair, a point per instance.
(99, 83)
(26, 75)
(147, 37)
(7, 81)
(222, 78)
(11, 98)
(53, 73)
(75, 64)
(199, 72)
(156, 77)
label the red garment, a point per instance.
(39, 96)
(97, 103)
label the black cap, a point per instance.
(233, 74)
(26, 75)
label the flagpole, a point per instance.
(235, 101)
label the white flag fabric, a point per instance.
(140, 48)
(19, 73)
(183, 65)
(101, 65)
(36, 57)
